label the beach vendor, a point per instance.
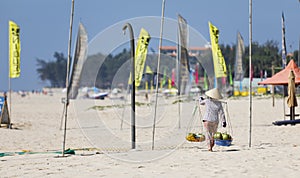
(214, 111)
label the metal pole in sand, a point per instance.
(250, 71)
(127, 25)
(157, 73)
(66, 102)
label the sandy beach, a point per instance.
(101, 139)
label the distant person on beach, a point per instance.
(214, 111)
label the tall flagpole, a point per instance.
(178, 74)
(250, 70)
(67, 78)
(13, 60)
(157, 71)
(298, 53)
(128, 25)
(9, 89)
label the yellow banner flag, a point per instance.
(148, 70)
(219, 62)
(129, 79)
(14, 50)
(140, 55)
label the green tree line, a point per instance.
(100, 70)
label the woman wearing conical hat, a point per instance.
(214, 111)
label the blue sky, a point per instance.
(45, 25)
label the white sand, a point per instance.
(274, 151)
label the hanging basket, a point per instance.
(195, 127)
(195, 137)
(222, 139)
(223, 142)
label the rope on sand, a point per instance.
(98, 150)
(25, 152)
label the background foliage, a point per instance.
(100, 70)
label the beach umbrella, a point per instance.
(281, 78)
(292, 100)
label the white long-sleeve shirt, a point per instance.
(214, 110)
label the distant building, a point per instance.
(193, 51)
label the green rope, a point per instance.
(68, 151)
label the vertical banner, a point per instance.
(140, 55)
(169, 84)
(146, 85)
(252, 74)
(148, 70)
(148, 76)
(4, 115)
(230, 76)
(196, 74)
(283, 52)
(224, 80)
(219, 62)
(164, 81)
(129, 79)
(238, 67)
(184, 68)
(78, 62)
(173, 78)
(14, 50)
(205, 81)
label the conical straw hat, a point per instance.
(214, 93)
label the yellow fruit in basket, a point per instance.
(190, 137)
